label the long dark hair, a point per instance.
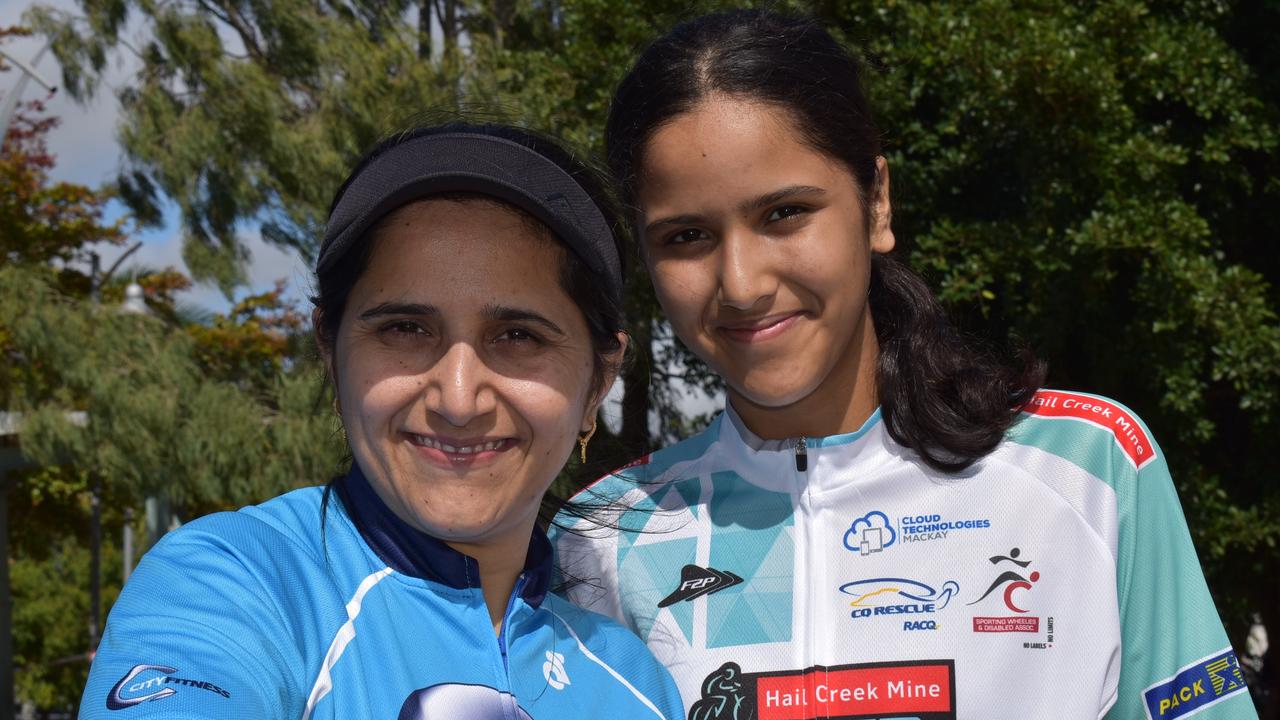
(940, 394)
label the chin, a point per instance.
(459, 526)
(466, 531)
(769, 387)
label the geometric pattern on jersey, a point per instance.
(754, 539)
(646, 569)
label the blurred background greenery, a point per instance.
(1095, 180)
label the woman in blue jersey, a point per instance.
(884, 522)
(468, 310)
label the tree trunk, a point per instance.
(634, 437)
(424, 29)
(449, 25)
(504, 17)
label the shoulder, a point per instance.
(230, 600)
(261, 553)
(595, 631)
(1095, 433)
(285, 526)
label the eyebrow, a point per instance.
(500, 313)
(504, 313)
(767, 199)
(398, 309)
(782, 194)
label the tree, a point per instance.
(209, 414)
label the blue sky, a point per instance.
(87, 153)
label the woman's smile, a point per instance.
(759, 330)
(459, 452)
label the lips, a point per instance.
(459, 451)
(759, 329)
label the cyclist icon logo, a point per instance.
(724, 696)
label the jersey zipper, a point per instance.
(802, 455)
(506, 623)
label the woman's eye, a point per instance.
(518, 335)
(785, 212)
(402, 328)
(684, 236)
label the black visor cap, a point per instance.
(464, 162)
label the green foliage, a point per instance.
(156, 404)
(50, 621)
(250, 118)
(206, 413)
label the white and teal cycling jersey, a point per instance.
(840, 577)
(259, 615)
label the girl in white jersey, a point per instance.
(884, 522)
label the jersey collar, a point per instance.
(759, 444)
(412, 552)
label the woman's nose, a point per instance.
(460, 388)
(745, 277)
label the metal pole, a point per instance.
(127, 547)
(11, 99)
(95, 567)
(6, 607)
(95, 525)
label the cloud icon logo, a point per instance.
(870, 533)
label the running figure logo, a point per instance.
(1010, 579)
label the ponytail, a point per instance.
(940, 394)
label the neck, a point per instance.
(840, 404)
(493, 563)
(501, 561)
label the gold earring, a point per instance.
(585, 438)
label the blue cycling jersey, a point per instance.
(261, 614)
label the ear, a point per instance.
(612, 364)
(881, 210)
(324, 348)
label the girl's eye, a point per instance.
(785, 212)
(687, 235)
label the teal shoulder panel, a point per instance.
(1170, 629)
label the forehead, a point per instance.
(725, 145)
(444, 250)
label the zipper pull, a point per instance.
(802, 455)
